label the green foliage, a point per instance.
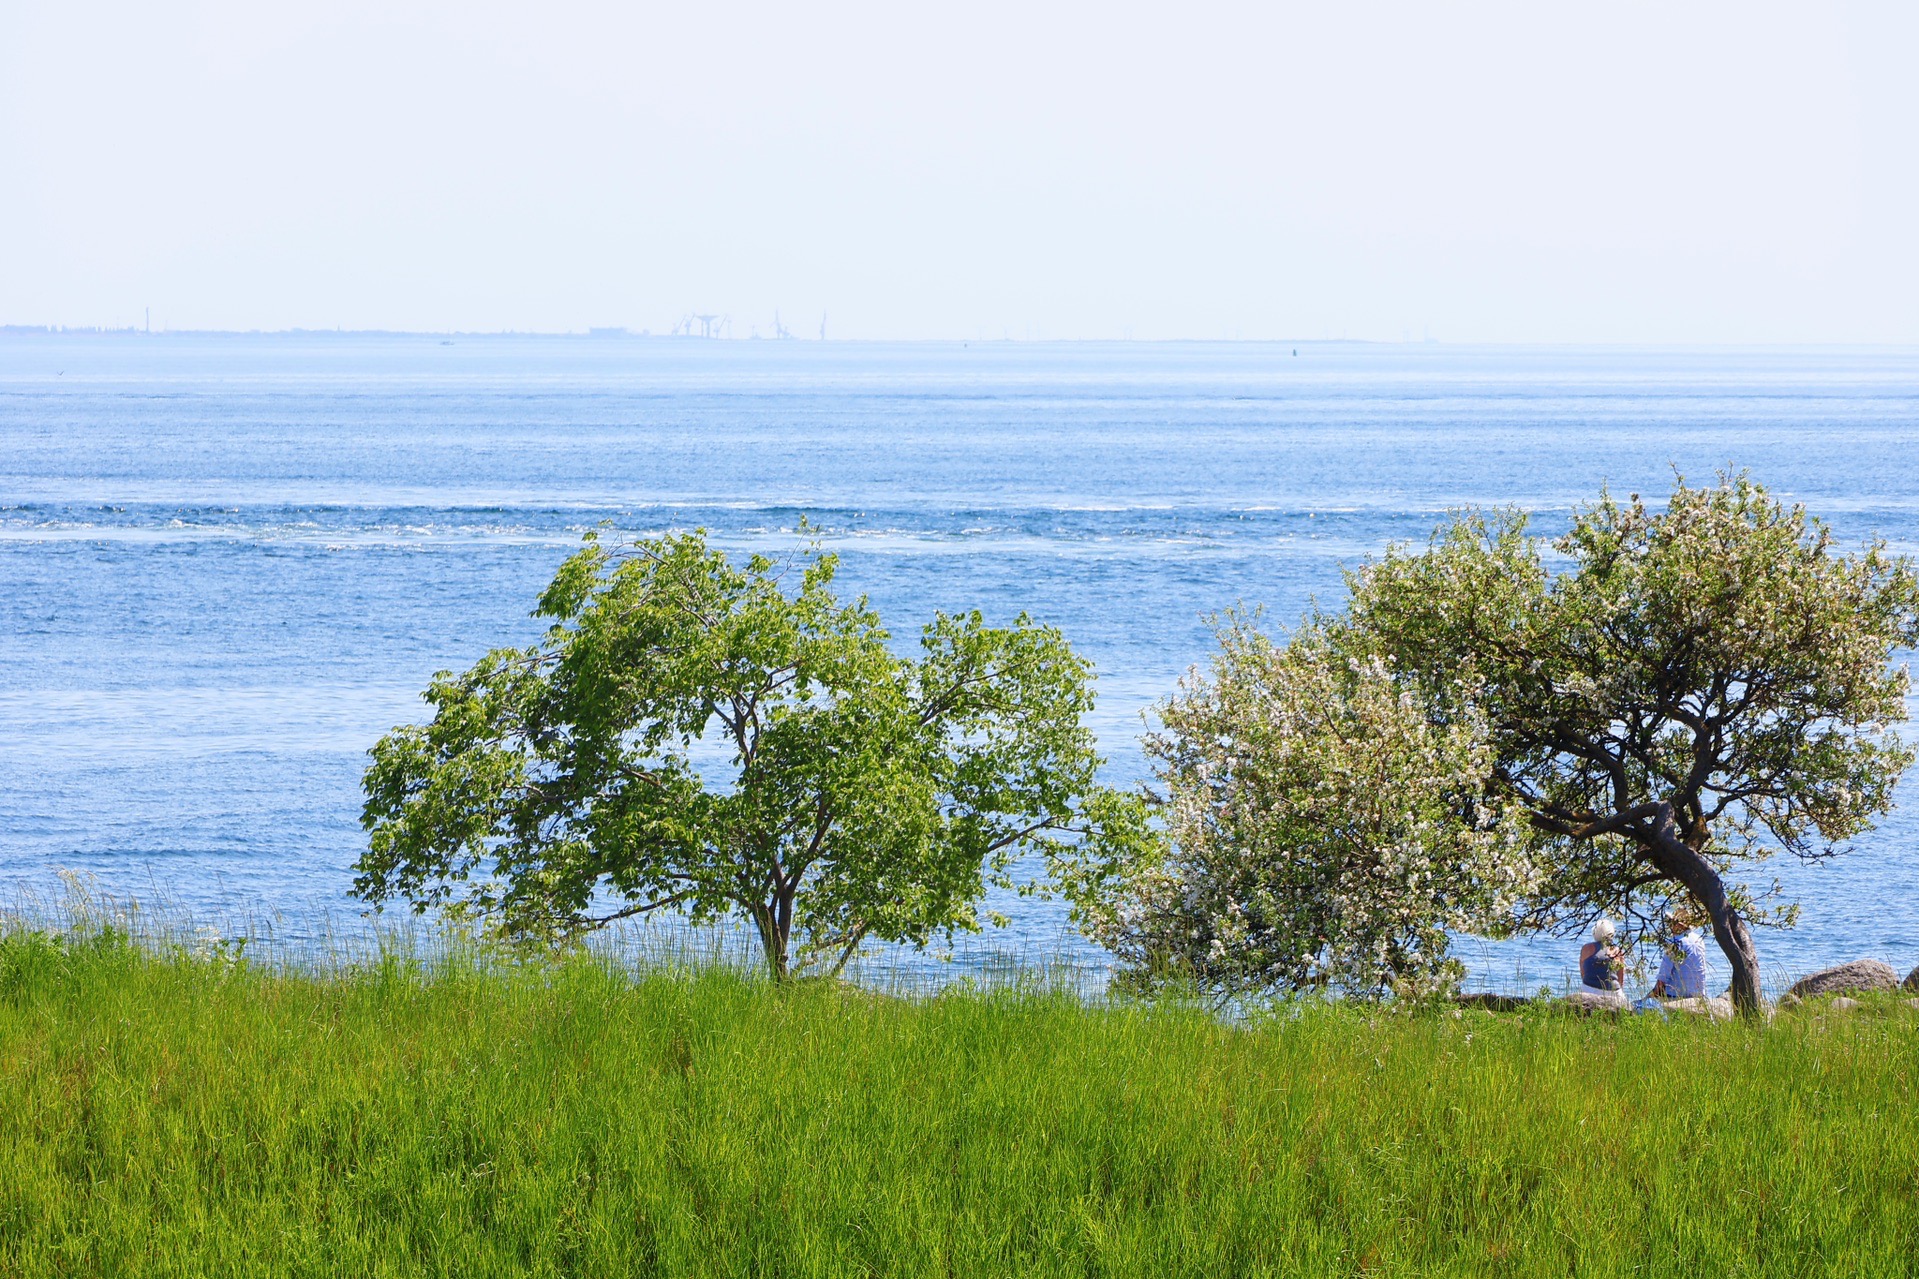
(1692, 690)
(691, 736)
(171, 1116)
(1684, 693)
(1318, 830)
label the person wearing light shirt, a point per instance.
(1682, 973)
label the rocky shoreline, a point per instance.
(1833, 987)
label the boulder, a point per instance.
(1912, 980)
(1719, 1009)
(1860, 975)
(1593, 1001)
(1841, 1004)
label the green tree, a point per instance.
(1686, 693)
(1317, 829)
(689, 736)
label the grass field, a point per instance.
(169, 1115)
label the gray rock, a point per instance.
(1719, 1009)
(1859, 975)
(1790, 1000)
(1912, 980)
(1593, 1001)
(1843, 1005)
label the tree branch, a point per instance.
(1614, 825)
(601, 921)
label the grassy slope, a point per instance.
(175, 1117)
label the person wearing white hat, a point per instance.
(1602, 967)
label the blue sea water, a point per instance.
(228, 563)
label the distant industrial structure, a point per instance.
(704, 326)
(695, 324)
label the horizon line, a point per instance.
(621, 333)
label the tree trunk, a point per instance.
(1735, 939)
(772, 940)
(1672, 855)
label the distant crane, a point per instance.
(710, 326)
(780, 330)
(822, 326)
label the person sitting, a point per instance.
(1602, 966)
(1682, 973)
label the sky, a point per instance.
(1665, 173)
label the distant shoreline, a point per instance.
(37, 331)
(646, 335)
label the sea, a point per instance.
(228, 563)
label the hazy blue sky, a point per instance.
(1528, 171)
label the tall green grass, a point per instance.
(166, 1114)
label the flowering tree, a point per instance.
(1694, 690)
(691, 737)
(1318, 829)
